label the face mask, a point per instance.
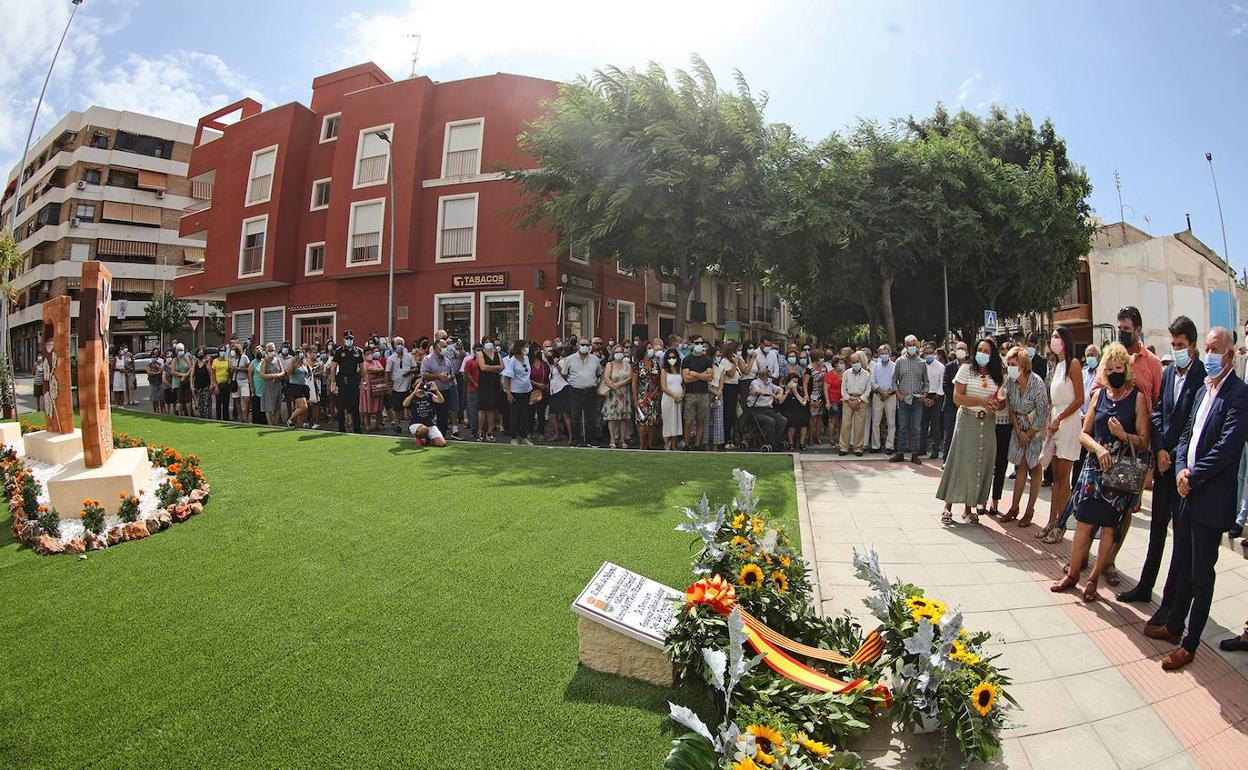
(801, 362)
(221, 355)
(584, 349)
(1213, 365)
(671, 362)
(1126, 339)
(181, 349)
(1182, 357)
(376, 356)
(650, 353)
(1057, 346)
(699, 349)
(1091, 362)
(1013, 372)
(749, 351)
(349, 343)
(930, 357)
(549, 350)
(911, 349)
(489, 347)
(285, 351)
(1118, 379)
(792, 359)
(857, 367)
(883, 358)
(718, 359)
(960, 354)
(1031, 351)
(618, 356)
(982, 359)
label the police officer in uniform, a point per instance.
(345, 384)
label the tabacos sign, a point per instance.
(496, 280)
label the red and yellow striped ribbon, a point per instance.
(789, 668)
(870, 651)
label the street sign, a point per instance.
(990, 322)
(194, 322)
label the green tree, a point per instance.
(216, 318)
(166, 314)
(666, 176)
(10, 260)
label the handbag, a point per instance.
(603, 387)
(1126, 472)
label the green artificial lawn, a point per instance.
(354, 602)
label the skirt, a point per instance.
(119, 381)
(672, 425)
(715, 434)
(560, 403)
(156, 391)
(967, 474)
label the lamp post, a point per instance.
(385, 137)
(1226, 254)
(17, 196)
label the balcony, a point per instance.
(456, 242)
(259, 189)
(697, 312)
(667, 293)
(365, 247)
(461, 163)
(372, 169)
(253, 260)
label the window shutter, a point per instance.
(244, 325)
(271, 323)
(459, 212)
(466, 136)
(264, 163)
(255, 227)
(368, 218)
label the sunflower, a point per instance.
(738, 521)
(768, 742)
(745, 764)
(738, 541)
(984, 697)
(963, 655)
(756, 524)
(751, 576)
(814, 747)
(785, 561)
(780, 581)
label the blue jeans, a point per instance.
(950, 421)
(909, 426)
(1243, 489)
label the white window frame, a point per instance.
(472, 312)
(312, 200)
(446, 143)
(294, 325)
(359, 147)
(260, 329)
(619, 306)
(619, 268)
(507, 294)
(242, 244)
(381, 235)
(476, 226)
(572, 256)
(325, 124)
(251, 172)
(234, 322)
(307, 259)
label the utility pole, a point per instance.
(385, 137)
(415, 53)
(1122, 217)
(1226, 254)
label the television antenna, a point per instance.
(415, 52)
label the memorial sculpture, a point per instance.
(59, 441)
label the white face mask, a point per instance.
(960, 354)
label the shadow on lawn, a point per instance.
(590, 686)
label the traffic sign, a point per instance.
(990, 322)
(194, 322)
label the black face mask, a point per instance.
(1117, 379)
(1126, 339)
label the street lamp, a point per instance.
(1226, 254)
(4, 303)
(385, 137)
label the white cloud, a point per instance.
(457, 35)
(180, 85)
(1239, 19)
(969, 86)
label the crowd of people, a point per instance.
(1103, 426)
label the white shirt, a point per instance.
(935, 377)
(769, 360)
(1202, 415)
(761, 393)
(1180, 376)
(882, 375)
(401, 368)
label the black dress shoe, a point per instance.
(1235, 531)
(1234, 644)
(897, 458)
(915, 459)
(1135, 595)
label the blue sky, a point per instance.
(1142, 87)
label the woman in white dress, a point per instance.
(1065, 398)
(673, 393)
(118, 365)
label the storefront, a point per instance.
(578, 306)
(486, 296)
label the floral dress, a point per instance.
(370, 403)
(617, 404)
(647, 392)
(1030, 408)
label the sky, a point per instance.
(1145, 88)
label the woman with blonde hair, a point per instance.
(1028, 402)
(1117, 421)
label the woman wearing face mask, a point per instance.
(517, 384)
(255, 371)
(1117, 416)
(242, 383)
(273, 374)
(617, 407)
(645, 387)
(221, 385)
(372, 389)
(733, 375)
(814, 386)
(117, 364)
(672, 384)
(1028, 401)
(794, 405)
(541, 390)
(156, 382)
(715, 416)
(298, 375)
(830, 384)
(967, 474)
(1066, 397)
(201, 384)
(559, 412)
(489, 388)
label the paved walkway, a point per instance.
(1091, 686)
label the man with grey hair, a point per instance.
(400, 371)
(884, 407)
(909, 388)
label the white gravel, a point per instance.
(71, 528)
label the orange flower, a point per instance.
(122, 495)
(715, 592)
(43, 509)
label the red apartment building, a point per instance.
(294, 207)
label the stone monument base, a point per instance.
(53, 448)
(127, 470)
(611, 652)
(11, 435)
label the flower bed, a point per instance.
(752, 590)
(181, 491)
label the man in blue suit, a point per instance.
(1207, 460)
(1179, 384)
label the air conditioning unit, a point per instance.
(82, 184)
(73, 223)
(160, 193)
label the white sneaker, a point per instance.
(515, 441)
(526, 442)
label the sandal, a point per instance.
(1054, 536)
(972, 517)
(946, 517)
(1065, 584)
(1089, 592)
(1111, 575)
(1010, 515)
(1025, 522)
(1044, 531)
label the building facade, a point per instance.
(302, 203)
(108, 185)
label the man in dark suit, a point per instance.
(1179, 384)
(1207, 460)
(1039, 364)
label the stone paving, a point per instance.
(1092, 690)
